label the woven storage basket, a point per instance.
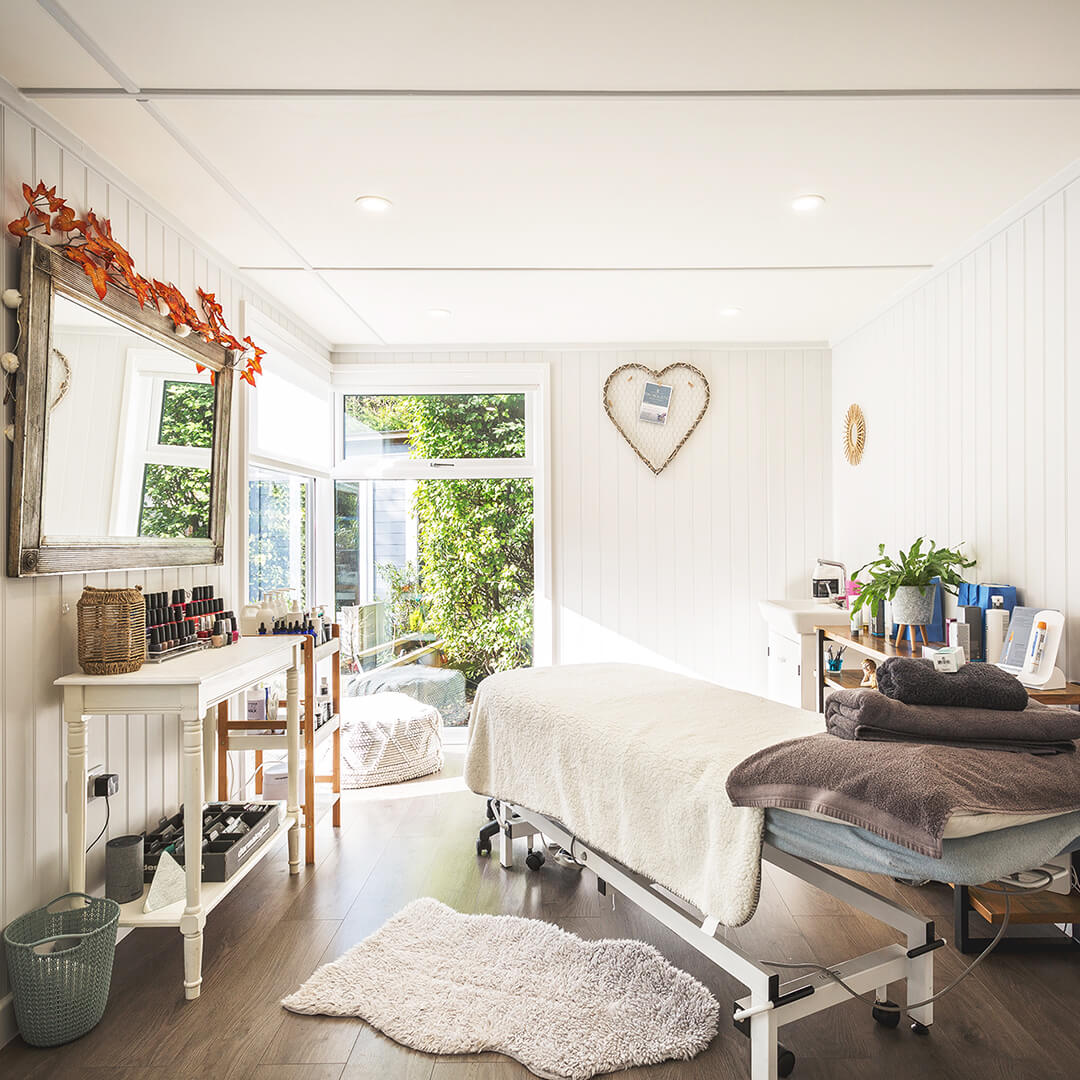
(60, 967)
(112, 631)
(390, 738)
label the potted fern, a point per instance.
(908, 582)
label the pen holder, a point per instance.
(835, 665)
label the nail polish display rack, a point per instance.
(185, 621)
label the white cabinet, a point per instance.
(785, 669)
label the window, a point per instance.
(434, 426)
(175, 498)
(279, 534)
(434, 517)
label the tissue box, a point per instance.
(950, 658)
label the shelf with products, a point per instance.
(260, 737)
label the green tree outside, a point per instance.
(475, 537)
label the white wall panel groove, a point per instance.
(971, 386)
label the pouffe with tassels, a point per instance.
(112, 630)
(388, 738)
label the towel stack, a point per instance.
(980, 706)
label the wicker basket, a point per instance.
(60, 966)
(112, 631)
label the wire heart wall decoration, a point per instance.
(656, 444)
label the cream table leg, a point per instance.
(75, 723)
(194, 918)
(292, 730)
(210, 734)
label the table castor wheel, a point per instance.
(919, 1029)
(889, 1018)
(785, 1060)
(482, 848)
(534, 860)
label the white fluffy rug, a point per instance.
(446, 983)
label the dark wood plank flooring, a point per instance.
(1017, 1017)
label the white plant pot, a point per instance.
(912, 607)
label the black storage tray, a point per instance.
(225, 854)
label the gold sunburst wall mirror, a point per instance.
(854, 434)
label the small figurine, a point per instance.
(869, 674)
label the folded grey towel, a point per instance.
(868, 716)
(905, 792)
(974, 686)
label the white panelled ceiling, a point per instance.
(533, 214)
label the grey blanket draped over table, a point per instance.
(865, 715)
(902, 791)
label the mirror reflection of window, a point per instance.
(129, 433)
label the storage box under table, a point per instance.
(228, 850)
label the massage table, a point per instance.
(577, 755)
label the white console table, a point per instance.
(190, 686)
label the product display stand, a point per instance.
(253, 735)
(192, 687)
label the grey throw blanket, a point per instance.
(867, 715)
(905, 792)
(974, 686)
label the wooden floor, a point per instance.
(1018, 1016)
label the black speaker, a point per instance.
(124, 869)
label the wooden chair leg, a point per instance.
(223, 751)
(258, 772)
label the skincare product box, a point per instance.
(950, 658)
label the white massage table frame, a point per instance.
(770, 1004)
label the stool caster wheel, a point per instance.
(888, 1018)
(490, 811)
(534, 860)
(919, 1029)
(482, 848)
(785, 1061)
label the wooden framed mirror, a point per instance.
(121, 446)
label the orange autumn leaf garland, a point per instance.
(105, 261)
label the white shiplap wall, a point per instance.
(971, 389)
(668, 570)
(37, 616)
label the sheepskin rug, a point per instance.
(446, 983)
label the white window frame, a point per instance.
(139, 430)
(311, 370)
(534, 380)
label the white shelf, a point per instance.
(213, 892)
(258, 740)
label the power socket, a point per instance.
(99, 782)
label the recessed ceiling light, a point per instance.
(807, 204)
(438, 313)
(729, 312)
(373, 204)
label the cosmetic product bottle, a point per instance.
(218, 637)
(1036, 649)
(997, 628)
(262, 629)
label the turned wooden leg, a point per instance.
(223, 751)
(194, 917)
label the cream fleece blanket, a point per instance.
(634, 760)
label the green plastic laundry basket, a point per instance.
(60, 966)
